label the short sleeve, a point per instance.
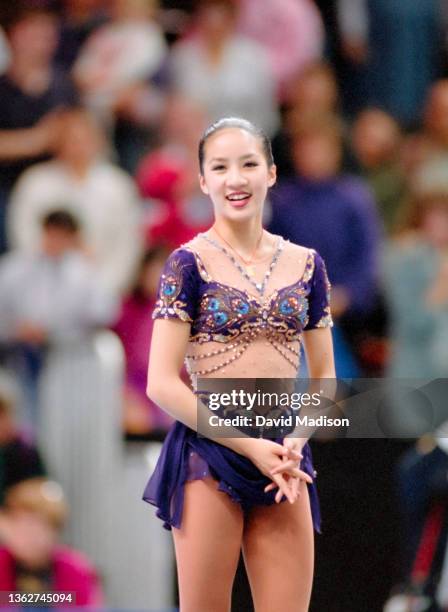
(319, 314)
(178, 288)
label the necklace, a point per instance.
(248, 263)
(260, 287)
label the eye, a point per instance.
(218, 167)
(251, 164)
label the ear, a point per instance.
(203, 185)
(272, 175)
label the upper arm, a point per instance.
(319, 315)
(168, 347)
(174, 312)
(317, 336)
(318, 344)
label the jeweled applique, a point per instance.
(171, 301)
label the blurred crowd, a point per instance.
(102, 103)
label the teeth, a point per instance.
(238, 197)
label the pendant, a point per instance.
(250, 270)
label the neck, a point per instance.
(242, 236)
(214, 49)
(78, 169)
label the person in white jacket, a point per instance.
(82, 181)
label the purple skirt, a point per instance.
(185, 456)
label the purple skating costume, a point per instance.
(231, 322)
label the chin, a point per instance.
(248, 211)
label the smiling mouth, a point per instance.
(237, 200)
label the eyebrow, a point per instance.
(221, 159)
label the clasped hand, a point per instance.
(280, 463)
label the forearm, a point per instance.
(174, 397)
(21, 144)
(323, 388)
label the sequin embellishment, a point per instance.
(171, 300)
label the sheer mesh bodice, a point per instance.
(235, 331)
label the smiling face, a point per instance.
(236, 174)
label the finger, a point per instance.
(284, 467)
(284, 487)
(301, 475)
(270, 487)
(293, 452)
(292, 471)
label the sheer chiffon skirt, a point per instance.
(185, 456)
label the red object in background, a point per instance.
(71, 572)
(163, 176)
(428, 544)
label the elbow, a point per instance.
(154, 391)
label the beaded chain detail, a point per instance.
(260, 287)
(225, 314)
(238, 348)
(236, 355)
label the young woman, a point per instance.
(237, 302)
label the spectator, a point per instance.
(31, 93)
(93, 189)
(427, 152)
(290, 30)
(312, 91)
(53, 294)
(168, 176)
(114, 70)
(398, 47)
(228, 73)
(134, 327)
(80, 18)
(317, 207)
(416, 274)
(19, 458)
(377, 139)
(31, 558)
(335, 214)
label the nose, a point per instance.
(235, 178)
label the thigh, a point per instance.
(278, 547)
(207, 547)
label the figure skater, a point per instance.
(237, 302)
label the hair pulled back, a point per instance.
(241, 124)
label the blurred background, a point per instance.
(102, 103)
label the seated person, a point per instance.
(31, 558)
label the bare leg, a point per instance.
(278, 547)
(207, 547)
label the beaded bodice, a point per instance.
(228, 322)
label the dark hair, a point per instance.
(415, 209)
(230, 5)
(19, 11)
(242, 124)
(61, 219)
(158, 251)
